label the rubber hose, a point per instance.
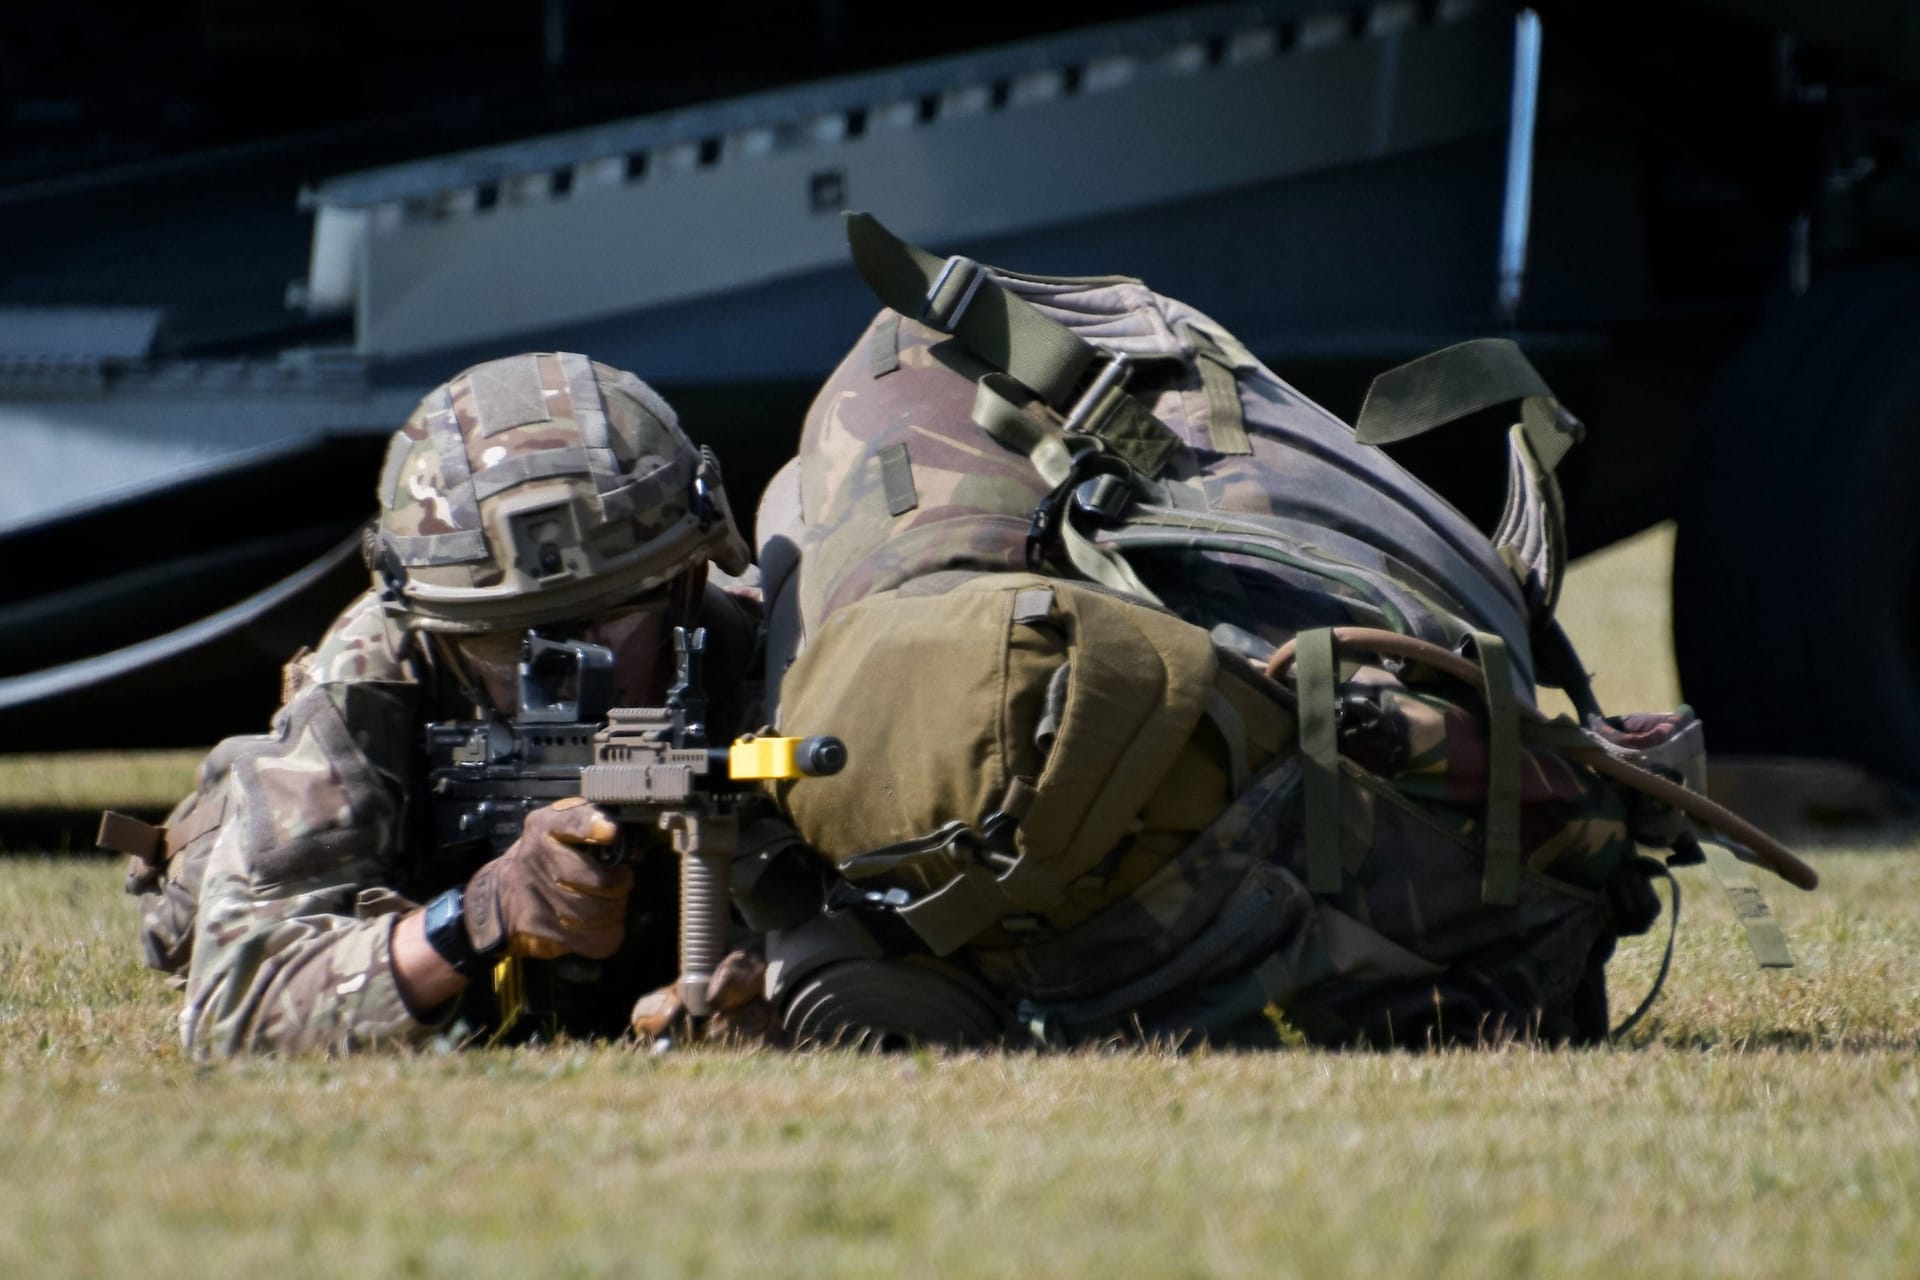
(1773, 855)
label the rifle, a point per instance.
(650, 768)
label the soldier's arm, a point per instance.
(296, 931)
(300, 851)
(426, 981)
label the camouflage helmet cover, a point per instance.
(540, 487)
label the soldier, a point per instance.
(1173, 706)
(538, 491)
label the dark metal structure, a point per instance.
(1696, 217)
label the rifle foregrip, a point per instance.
(703, 926)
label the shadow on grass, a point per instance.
(1666, 1037)
(59, 831)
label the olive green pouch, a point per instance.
(1003, 737)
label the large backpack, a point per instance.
(1045, 561)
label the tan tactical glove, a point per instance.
(737, 993)
(547, 896)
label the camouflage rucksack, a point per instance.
(1063, 564)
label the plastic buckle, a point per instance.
(1103, 500)
(843, 896)
(996, 840)
(952, 293)
(700, 504)
(1087, 410)
(1090, 464)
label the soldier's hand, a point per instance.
(548, 896)
(737, 994)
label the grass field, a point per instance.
(1756, 1124)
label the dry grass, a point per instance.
(1760, 1124)
(96, 779)
(1616, 609)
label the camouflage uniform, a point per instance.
(301, 849)
(295, 924)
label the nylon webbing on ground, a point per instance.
(1316, 676)
(1765, 937)
(1500, 881)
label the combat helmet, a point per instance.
(542, 487)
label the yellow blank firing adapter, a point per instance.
(778, 759)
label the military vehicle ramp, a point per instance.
(703, 247)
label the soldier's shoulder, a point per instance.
(362, 645)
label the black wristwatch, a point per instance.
(446, 928)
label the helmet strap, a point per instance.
(688, 588)
(442, 652)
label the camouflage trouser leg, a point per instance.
(167, 912)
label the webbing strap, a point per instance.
(129, 835)
(958, 297)
(1765, 937)
(596, 433)
(896, 480)
(450, 453)
(461, 546)
(1317, 678)
(1560, 666)
(1226, 427)
(884, 352)
(1171, 528)
(568, 460)
(1443, 386)
(956, 913)
(1003, 330)
(1464, 379)
(1233, 731)
(999, 414)
(1560, 734)
(1108, 568)
(1500, 881)
(1001, 417)
(1550, 430)
(975, 898)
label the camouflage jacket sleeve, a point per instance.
(295, 925)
